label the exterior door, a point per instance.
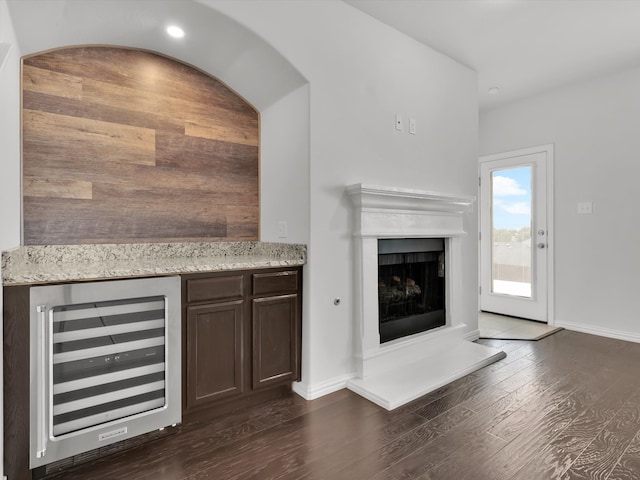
(515, 237)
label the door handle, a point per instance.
(41, 382)
(541, 245)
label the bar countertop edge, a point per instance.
(43, 264)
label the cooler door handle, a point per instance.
(41, 382)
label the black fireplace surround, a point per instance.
(411, 286)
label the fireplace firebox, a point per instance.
(411, 286)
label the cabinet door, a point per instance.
(274, 339)
(214, 352)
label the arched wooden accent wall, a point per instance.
(123, 146)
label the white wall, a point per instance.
(9, 133)
(594, 127)
(284, 169)
(360, 73)
(335, 131)
(9, 153)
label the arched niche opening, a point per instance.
(215, 44)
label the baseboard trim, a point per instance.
(311, 392)
(600, 331)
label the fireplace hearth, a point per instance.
(408, 342)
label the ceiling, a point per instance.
(523, 47)
(215, 44)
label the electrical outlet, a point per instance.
(585, 208)
(282, 229)
(398, 121)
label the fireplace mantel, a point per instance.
(401, 370)
(375, 196)
(390, 212)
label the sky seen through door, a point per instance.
(512, 198)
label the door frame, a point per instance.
(548, 150)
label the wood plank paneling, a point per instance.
(38, 186)
(52, 83)
(123, 145)
(224, 132)
(153, 72)
(203, 154)
(147, 100)
(158, 179)
(77, 108)
(129, 223)
(85, 139)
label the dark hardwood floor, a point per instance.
(565, 407)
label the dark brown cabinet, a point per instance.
(241, 338)
(214, 352)
(274, 340)
(242, 335)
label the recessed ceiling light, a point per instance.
(494, 90)
(175, 31)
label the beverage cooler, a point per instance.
(105, 364)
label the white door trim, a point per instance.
(549, 151)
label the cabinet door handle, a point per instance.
(41, 381)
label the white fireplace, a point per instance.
(396, 372)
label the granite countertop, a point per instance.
(30, 265)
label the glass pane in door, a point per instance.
(511, 255)
(108, 361)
